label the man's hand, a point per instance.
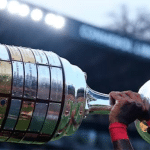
(127, 106)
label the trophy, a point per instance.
(43, 97)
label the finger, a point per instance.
(143, 101)
(133, 95)
(145, 104)
(114, 96)
(126, 97)
(138, 97)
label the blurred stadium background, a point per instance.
(113, 61)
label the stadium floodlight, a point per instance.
(50, 19)
(3, 4)
(60, 22)
(36, 15)
(13, 7)
(55, 20)
(24, 10)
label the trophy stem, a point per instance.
(97, 103)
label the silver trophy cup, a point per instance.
(43, 97)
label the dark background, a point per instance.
(108, 69)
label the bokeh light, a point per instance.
(36, 15)
(60, 22)
(24, 10)
(55, 20)
(50, 19)
(3, 4)
(13, 7)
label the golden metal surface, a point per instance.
(15, 53)
(27, 55)
(5, 77)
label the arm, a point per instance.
(119, 137)
(122, 145)
(127, 106)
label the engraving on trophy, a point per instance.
(4, 53)
(30, 81)
(13, 114)
(40, 57)
(37, 56)
(27, 55)
(15, 53)
(43, 57)
(56, 84)
(43, 82)
(25, 116)
(5, 77)
(3, 106)
(38, 117)
(51, 118)
(53, 59)
(16, 137)
(18, 79)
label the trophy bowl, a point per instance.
(43, 97)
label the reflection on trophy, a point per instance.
(43, 97)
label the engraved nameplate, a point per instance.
(40, 57)
(18, 79)
(27, 55)
(38, 117)
(51, 118)
(5, 77)
(53, 59)
(30, 81)
(4, 53)
(13, 114)
(25, 115)
(43, 82)
(15, 53)
(56, 84)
